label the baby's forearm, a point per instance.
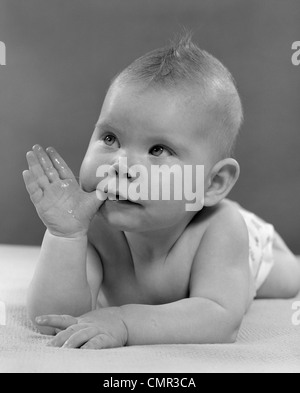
(188, 321)
(60, 285)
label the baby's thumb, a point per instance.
(96, 199)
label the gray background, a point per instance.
(61, 55)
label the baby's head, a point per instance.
(173, 106)
(201, 82)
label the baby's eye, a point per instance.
(158, 150)
(109, 140)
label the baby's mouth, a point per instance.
(117, 198)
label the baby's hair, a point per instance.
(182, 64)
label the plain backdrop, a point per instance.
(61, 55)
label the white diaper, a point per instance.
(261, 237)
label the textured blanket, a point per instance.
(269, 339)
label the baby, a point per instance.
(116, 271)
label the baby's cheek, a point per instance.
(87, 176)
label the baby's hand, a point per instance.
(62, 205)
(98, 329)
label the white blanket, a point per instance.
(268, 340)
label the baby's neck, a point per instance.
(153, 246)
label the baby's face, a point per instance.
(147, 127)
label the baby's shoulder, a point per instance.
(225, 216)
(220, 225)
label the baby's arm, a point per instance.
(60, 284)
(66, 280)
(219, 293)
(219, 297)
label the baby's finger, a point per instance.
(59, 164)
(32, 187)
(81, 337)
(30, 182)
(56, 321)
(46, 163)
(63, 336)
(100, 341)
(36, 170)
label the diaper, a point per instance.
(261, 237)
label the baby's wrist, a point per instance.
(68, 236)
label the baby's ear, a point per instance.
(223, 177)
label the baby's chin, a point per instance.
(123, 216)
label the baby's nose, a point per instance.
(121, 168)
